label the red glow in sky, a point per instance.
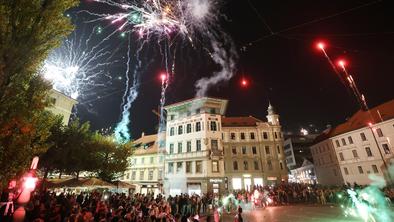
(342, 63)
(163, 77)
(244, 82)
(320, 45)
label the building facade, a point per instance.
(61, 105)
(146, 166)
(362, 146)
(303, 174)
(194, 151)
(253, 151)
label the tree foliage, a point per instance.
(29, 29)
(75, 148)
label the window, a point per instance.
(198, 126)
(244, 150)
(242, 136)
(150, 175)
(170, 167)
(172, 117)
(267, 150)
(160, 174)
(189, 128)
(341, 156)
(235, 165)
(179, 147)
(198, 145)
(375, 169)
(142, 160)
(265, 135)
(133, 175)
(386, 148)
(151, 159)
(213, 126)
(337, 143)
(276, 135)
(215, 166)
(350, 140)
(360, 170)
(198, 111)
(161, 159)
(281, 165)
(212, 111)
(172, 131)
(269, 163)
(355, 154)
(254, 150)
(278, 148)
(214, 145)
(232, 136)
(180, 130)
(368, 151)
(379, 132)
(346, 171)
(246, 167)
(179, 166)
(171, 148)
(363, 137)
(343, 142)
(188, 146)
(234, 150)
(141, 175)
(188, 166)
(252, 136)
(256, 165)
(198, 166)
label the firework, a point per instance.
(168, 22)
(77, 67)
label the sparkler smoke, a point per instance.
(77, 67)
(370, 203)
(168, 21)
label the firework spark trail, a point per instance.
(77, 67)
(121, 131)
(164, 21)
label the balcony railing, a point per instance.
(196, 154)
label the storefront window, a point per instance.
(237, 183)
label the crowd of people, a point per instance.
(108, 207)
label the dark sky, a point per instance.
(284, 67)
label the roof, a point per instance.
(146, 144)
(360, 120)
(191, 99)
(240, 121)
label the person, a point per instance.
(238, 216)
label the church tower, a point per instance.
(272, 117)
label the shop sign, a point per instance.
(271, 178)
(216, 180)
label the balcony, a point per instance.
(188, 155)
(216, 154)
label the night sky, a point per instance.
(284, 68)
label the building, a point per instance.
(304, 174)
(299, 158)
(358, 148)
(146, 166)
(253, 151)
(194, 161)
(297, 149)
(61, 105)
(201, 144)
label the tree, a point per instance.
(112, 157)
(29, 29)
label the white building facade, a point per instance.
(61, 105)
(146, 166)
(194, 151)
(362, 145)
